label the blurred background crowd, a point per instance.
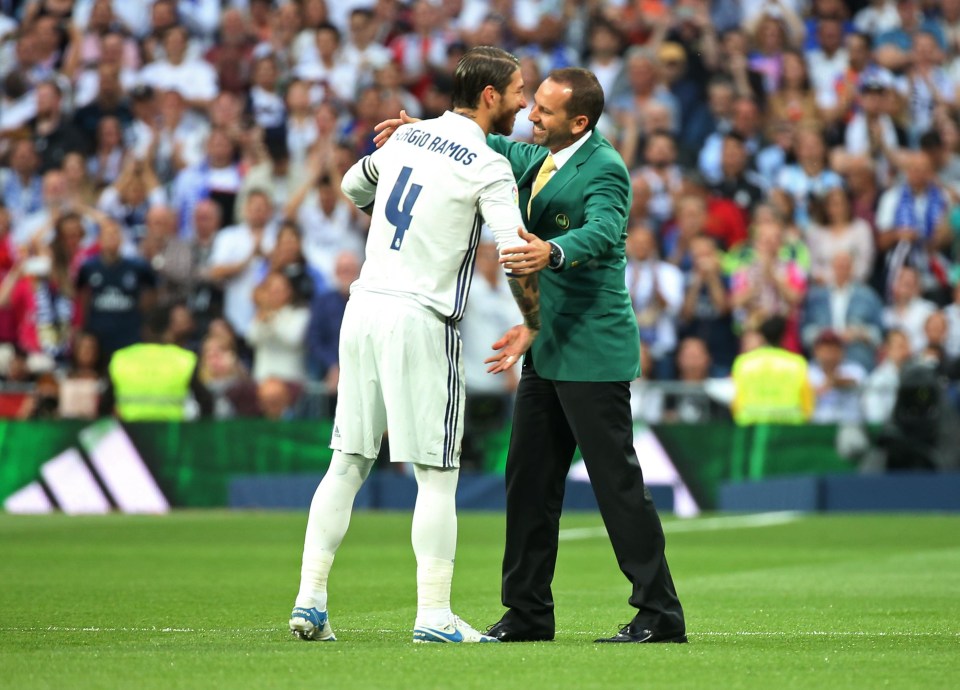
(170, 171)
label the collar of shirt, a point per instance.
(564, 155)
(473, 129)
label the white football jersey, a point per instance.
(432, 185)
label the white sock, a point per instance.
(434, 537)
(327, 524)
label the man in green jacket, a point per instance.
(575, 384)
(574, 196)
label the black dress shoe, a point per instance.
(507, 633)
(632, 633)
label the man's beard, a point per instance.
(504, 123)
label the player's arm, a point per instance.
(359, 183)
(498, 206)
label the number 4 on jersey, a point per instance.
(401, 217)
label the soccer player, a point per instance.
(428, 190)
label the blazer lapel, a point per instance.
(560, 178)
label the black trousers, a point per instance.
(550, 420)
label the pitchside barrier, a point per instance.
(84, 467)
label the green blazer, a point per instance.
(589, 331)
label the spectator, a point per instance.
(361, 50)
(301, 126)
(278, 332)
(264, 102)
(877, 17)
(269, 172)
(20, 185)
(110, 101)
(275, 400)
(221, 372)
(705, 314)
(908, 311)
(880, 389)
(829, 61)
(662, 175)
(835, 382)
(768, 285)
(690, 221)
(952, 313)
(177, 138)
(193, 78)
(744, 126)
(656, 291)
(693, 405)
(114, 293)
(794, 100)
(810, 175)
(329, 221)
(287, 258)
(83, 383)
(326, 315)
(835, 230)
(871, 131)
(326, 68)
(736, 183)
(929, 86)
(131, 198)
(216, 177)
(847, 308)
(232, 53)
(53, 136)
(204, 296)
(42, 314)
(168, 255)
(912, 225)
(239, 260)
(735, 66)
(81, 190)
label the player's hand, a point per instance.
(528, 258)
(510, 348)
(386, 128)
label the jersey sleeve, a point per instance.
(499, 203)
(360, 181)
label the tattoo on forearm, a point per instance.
(526, 292)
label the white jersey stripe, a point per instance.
(465, 275)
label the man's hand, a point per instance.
(386, 128)
(528, 258)
(510, 348)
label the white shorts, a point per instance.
(400, 369)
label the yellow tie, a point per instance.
(546, 170)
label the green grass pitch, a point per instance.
(200, 600)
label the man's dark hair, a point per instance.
(327, 26)
(863, 36)
(479, 68)
(586, 94)
(931, 141)
(773, 330)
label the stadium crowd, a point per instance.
(171, 169)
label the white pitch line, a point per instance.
(279, 629)
(697, 525)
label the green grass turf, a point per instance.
(200, 600)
